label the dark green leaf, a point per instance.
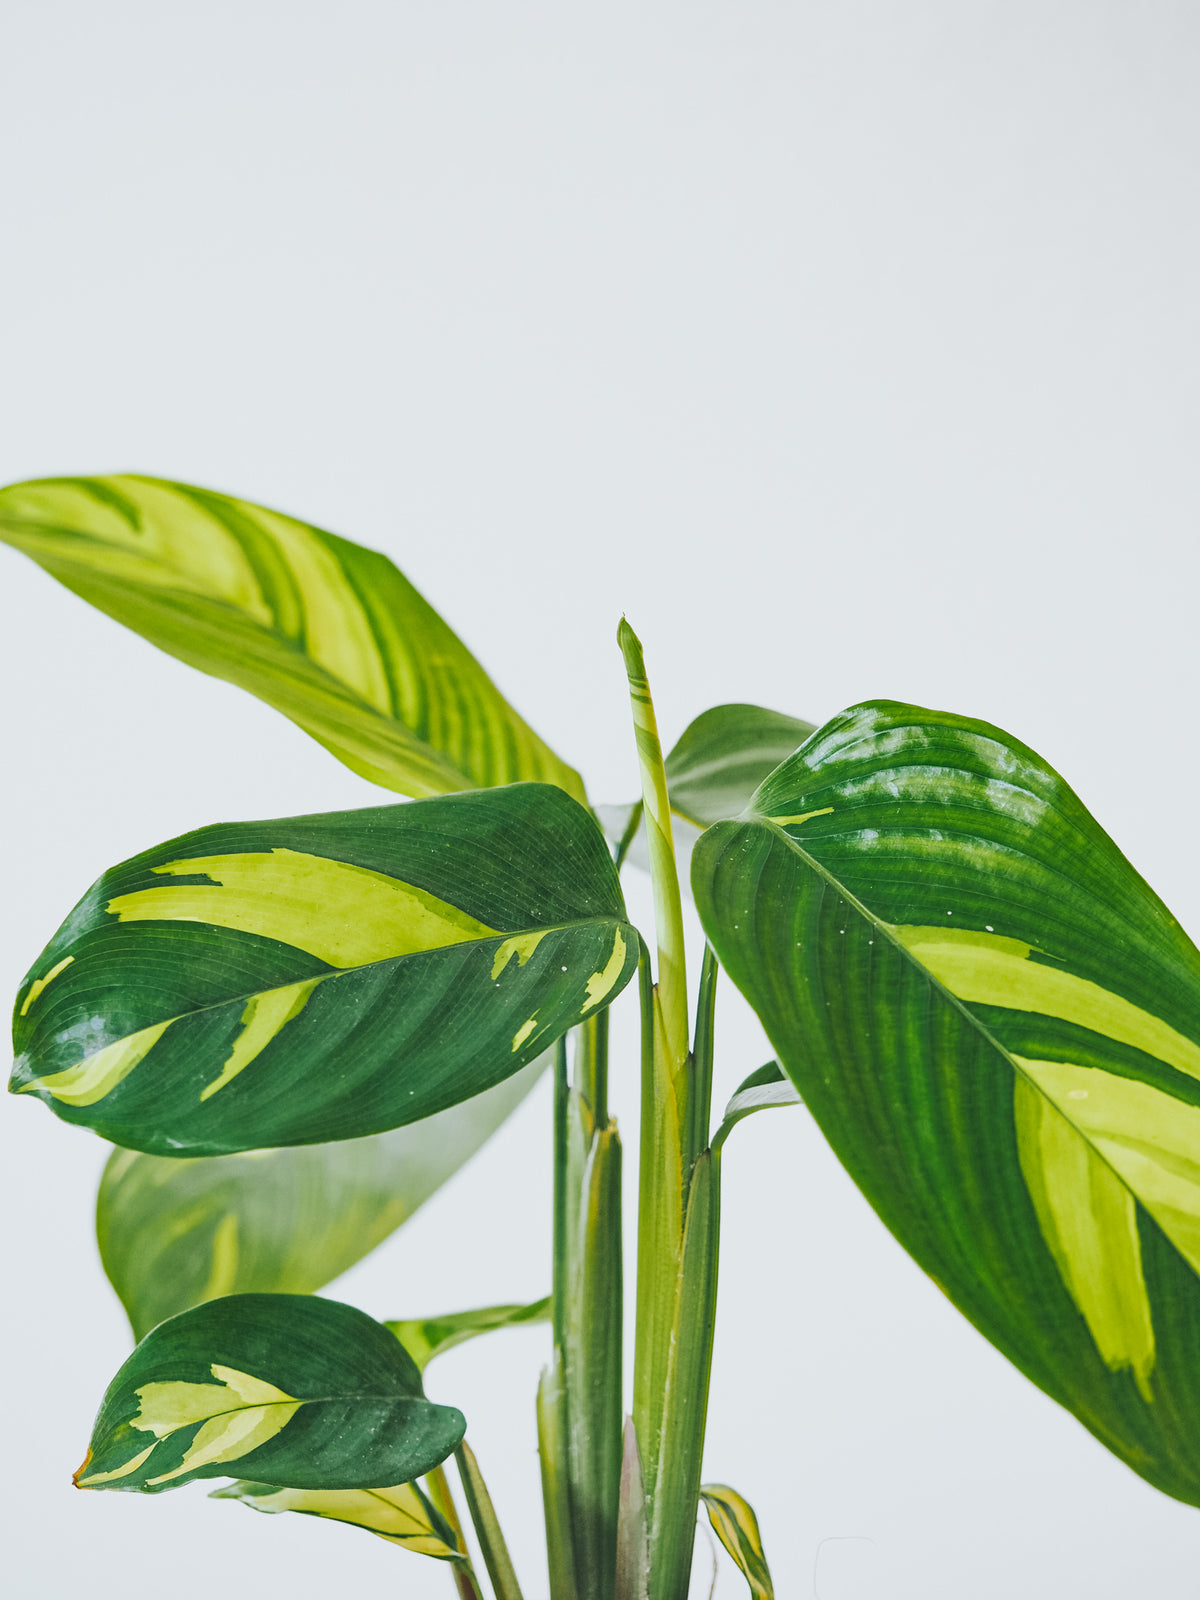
(292, 1391)
(427, 1337)
(319, 978)
(174, 1233)
(328, 633)
(721, 758)
(997, 1025)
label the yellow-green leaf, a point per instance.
(734, 1523)
(327, 632)
(400, 1513)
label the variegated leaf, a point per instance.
(290, 1390)
(426, 1337)
(402, 1513)
(176, 1232)
(325, 631)
(318, 978)
(734, 1523)
(996, 1023)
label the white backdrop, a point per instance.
(852, 350)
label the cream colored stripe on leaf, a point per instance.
(396, 1514)
(1150, 1139)
(990, 970)
(265, 1016)
(38, 984)
(99, 1074)
(343, 914)
(1089, 1221)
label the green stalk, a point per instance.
(465, 1581)
(556, 1497)
(592, 1353)
(487, 1527)
(677, 1500)
(677, 1204)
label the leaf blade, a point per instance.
(323, 978)
(1030, 1007)
(294, 1391)
(327, 632)
(176, 1232)
(735, 1525)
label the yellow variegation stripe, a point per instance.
(1150, 1139)
(223, 1276)
(523, 1033)
(340, 913)
(99, 1074)
(989, 969)
(93, 1480)
(734, 1523)
(600, 983)
(38, 984)
(264, 1017)
(1088, 1218)
(794, 822)
(521, 945)
(239, 1412)
(396, 1514)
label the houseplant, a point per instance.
(987, 1011)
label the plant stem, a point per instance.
(487, 1527)
(556, 1499)
(465, 1580)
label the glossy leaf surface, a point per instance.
(996, 1023)
(319, 978)
(174, 1233)
(325, 631)
(426, 1337)
(290, 1390)
(734, 1523)
(402, 1514)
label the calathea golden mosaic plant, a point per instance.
(993, 1019)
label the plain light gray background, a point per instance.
(852, 350)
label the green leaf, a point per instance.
(318, 978)
(292, 1391)
(715, 766)
(427, 1337)
(997, 1025)
(722, 757)
(328, 633)
(765, 1089)
(734, 1523)
(401, 1513)
(174, 1233)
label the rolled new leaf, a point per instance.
(285, 1389)
(328, 633)
(401, 1513)
(174, 1233)
(996, 1023)
(319, 978)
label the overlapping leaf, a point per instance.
(325, 631)
(174, 1233)
(997, 1024)
(715, 766)
(318, 978)
(290, 1390)
(402, 1514)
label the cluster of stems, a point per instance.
(621, 1493)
